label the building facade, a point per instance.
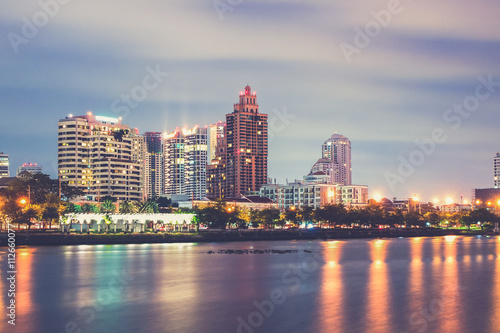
(29, 167)
(216, 131)
(315, 195)
(95, 154)
(216, 170)
(335, 160)
(4, 165)
(154, 172)
(246, 149)
(496, 171)
(185, 162)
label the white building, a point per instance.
(185, 162)
(4, 165)
(96, 154)
(335, 160)
(300, 194)
(29, 167)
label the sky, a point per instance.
(414, 85)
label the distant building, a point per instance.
(4, 165)
(29, 167)
(154, 164)
(488, 198)
(335, 160)
(96, 155)
(301, 194)
(185, 162)
(456, 208)
(496, 171)
(216, 131)
(249, 202)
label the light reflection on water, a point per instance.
(448, 284)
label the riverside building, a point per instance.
(96, 154)
(185, 162)
(245, 151)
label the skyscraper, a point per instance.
(185, 162)
(496, 170)
(216, 131)
(246, 146)
(154, 164)
(4, 165)
(335, 160)
(95, 154)
(216, 170)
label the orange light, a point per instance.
(23, 201)
(292, 208)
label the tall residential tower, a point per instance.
(335, 160)
(185, 162)
(246, 150)
(153, 164)
(96, 155)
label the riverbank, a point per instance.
(53, 238)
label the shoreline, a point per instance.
(56, 239)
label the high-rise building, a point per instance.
(216, 170)
(336, 160)
(4, 165)
(139, 152)
(185, 162)
(247, 146)
(29, 167)
(96, 154)
(216, 131)
(496, 171)
(154, 164)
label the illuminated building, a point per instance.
(496, 171)
(315, 194)
(246, 149)
(153, 164)
(185, 162)
(335, 160)
(216, 132)
(96, 154)
(29, 167)
(216, 170)
(4, 165)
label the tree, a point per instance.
(331, 213)
(108, 207)
(149, 207)
(90, 208)
(52, 207)
(127, 207)
(270, 216)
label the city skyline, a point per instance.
(395, 91)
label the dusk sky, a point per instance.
(315, 74)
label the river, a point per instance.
(401, 285)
